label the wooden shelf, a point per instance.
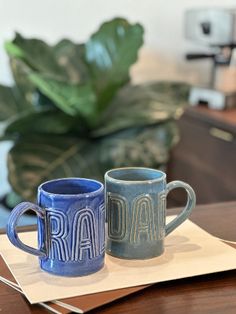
(205, 157)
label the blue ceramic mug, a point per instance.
(136, 211)
(71, 226)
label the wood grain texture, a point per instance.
(205, 294)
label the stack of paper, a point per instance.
(189, 251)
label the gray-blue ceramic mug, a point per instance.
(136, 211)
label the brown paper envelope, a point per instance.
(92, 301)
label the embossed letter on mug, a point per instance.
(136, 211)
(71, 226)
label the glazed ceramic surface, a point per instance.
(136, 211)
(71, 226)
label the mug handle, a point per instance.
(191, 202)
(12, 234)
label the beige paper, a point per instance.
(189, 251)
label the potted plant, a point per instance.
(73, 112)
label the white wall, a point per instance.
(162, 55)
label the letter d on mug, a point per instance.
(136, 211)
(71, 226)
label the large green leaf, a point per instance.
(47, 121)
(143, 105)
(36, 53)
(20, 72)
(71, 57)
(64, 61)
(11, 102)
(146, 147)
(110, 52)
(8, 103)
(71, 99)
(35, 159)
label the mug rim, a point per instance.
(86, 194)
(107, 175)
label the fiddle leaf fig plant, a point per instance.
(73, 111)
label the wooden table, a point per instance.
(214, 293)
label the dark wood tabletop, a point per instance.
(215, 293)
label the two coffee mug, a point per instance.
(71, 219)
